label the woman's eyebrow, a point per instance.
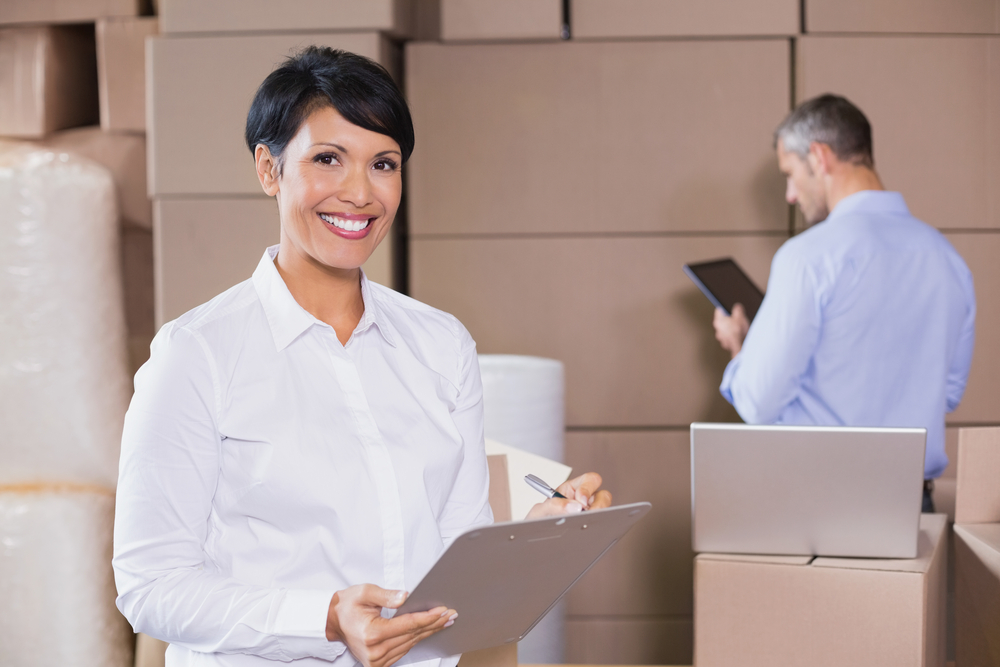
(327, 143)
(388, 152)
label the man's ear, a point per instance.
(820, 158)
(267, 169)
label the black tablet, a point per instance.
(725, 285)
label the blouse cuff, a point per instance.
(302, 614)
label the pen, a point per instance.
(538, 485)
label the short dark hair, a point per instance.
(832, 120)
(361, 91)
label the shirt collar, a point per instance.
(288, 320)
(870, 201)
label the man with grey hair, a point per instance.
(869, 317)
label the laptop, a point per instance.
(806, 490)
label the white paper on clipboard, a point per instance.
(502, 579)
(521, 463)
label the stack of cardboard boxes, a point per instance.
(72, 79)
(977, 549)
(212, 222)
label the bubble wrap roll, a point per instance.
(523, 402)
(56, 581)
(64, 383)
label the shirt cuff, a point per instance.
(302, 614)
(726, 388)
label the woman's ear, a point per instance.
(267, 169)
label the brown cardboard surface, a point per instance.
(194, 16)
(977, 594)
(149, 652)
(121, 71)
(629, 641)
(634, 332)
(977, 493)
(596, 137)
(64, 11)
(936, 128)
(592, 19)
(197, 113)
(137, 276)
(48, 79)
(979, 404)
(500, 19)
(649, 572)
(930, 16)
(497, 656)
(203, 247)
(499, 487)
(753, 613)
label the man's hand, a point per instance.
(355, 618)
(731, 330)
(583, 492)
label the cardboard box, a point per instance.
(788, 610)
(121, 71)
(635, 605)
(199, 93)
(980, 404)
(930, 16)
(603, 19)
(202, 247)
(65, 11)
(944, 90)
(596, 137)
(394, 17)
(977, 496)
(634, 332)
(48, 79)
(977, 594)
(484, 20)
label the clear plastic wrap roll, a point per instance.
(64, 383)
(56, 581)
(523, 402)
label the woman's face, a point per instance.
(338, 191)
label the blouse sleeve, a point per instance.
(468, 505)
(167, 587)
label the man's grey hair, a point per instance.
(831, 120)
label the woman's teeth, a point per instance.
(346, 225)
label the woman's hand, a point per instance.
(355, 618)
(582, 493)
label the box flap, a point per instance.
(984, 541)
(754, 558)
(499, 487)
(932, 529)
(977, 494)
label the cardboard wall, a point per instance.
(599, 138)
(198, 16)
(202, 89)
(48, 79)
(64, 11)
(612, 19)
(977, 594)
(903, 16)
(500, 19)
(121, 71)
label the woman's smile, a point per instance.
(348, 226)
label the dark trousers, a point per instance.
(928, 504)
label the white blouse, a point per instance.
(265, 466)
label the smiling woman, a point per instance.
(300, 449)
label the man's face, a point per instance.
(804, 186)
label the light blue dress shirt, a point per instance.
(868, 320)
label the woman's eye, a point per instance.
(385, 165)
(326, 158)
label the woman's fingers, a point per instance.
(601, 499)
(581, 488)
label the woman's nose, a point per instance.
(357, 188)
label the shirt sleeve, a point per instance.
(468, 505)
(766, 376)
(167, 587)
(958, 373)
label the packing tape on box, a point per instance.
(56, 581)
(64, 383)
(523, 402)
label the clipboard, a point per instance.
(725, 284)
(502, 579)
